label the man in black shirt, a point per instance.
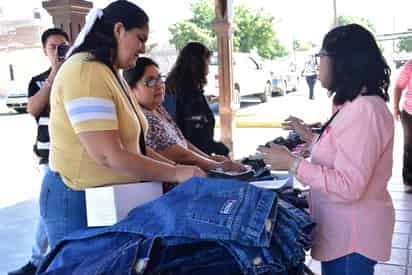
(38, 106)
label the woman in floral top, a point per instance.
(163, 135)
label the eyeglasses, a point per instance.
(153, 81)
(322, 53)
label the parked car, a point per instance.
(285, 77)
(17, 97)
(248, 75)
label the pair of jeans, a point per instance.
(311, 80)
(41, 244)
(406, 120)
(62, 209)
(352, 264)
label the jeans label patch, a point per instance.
(227, 207)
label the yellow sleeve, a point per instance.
(89, 97)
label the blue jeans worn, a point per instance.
(352, 264)
(62, 209)
(41, 244)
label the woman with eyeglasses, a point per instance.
(163, 134)
(190, 109)
(351, 159)
(97, 128)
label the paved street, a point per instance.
(20, 177)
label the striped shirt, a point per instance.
(405, 81)
(42, 144)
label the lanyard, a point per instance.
(142, 143)
(323, 128)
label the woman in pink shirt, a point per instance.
(405, 81)
(351, 160)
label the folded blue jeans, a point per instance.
(352, 264)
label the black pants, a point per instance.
(406, 120)
(311, 80)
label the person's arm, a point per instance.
(359, 142)
(106, 149)
(154, 155)
(195, 149)
(40, 100)
(397, 93)
(401, 83)
(182, 155)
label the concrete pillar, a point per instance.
(227, 99)
(69, 15)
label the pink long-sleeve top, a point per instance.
(405, 80)
(348, 174)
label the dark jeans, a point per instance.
(406, 120)
(352, 264)
(311, 80)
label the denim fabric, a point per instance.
(62, 209)
(311, 80)
(352, 264)
(202, 226)
(293, 228)
(191, 258)
(206, 209)
(41, 244)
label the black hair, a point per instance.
(135, 74)
(357, 62)
(100, 41)
(189, 71)
(50, 32)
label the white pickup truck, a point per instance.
(248, 75)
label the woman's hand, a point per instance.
(185, 172)
(219, 158)
(234, 166)
(294, 123)
(277, 156)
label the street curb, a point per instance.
(6, 111)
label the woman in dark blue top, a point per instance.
(185, 100)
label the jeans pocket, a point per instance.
(219, 209)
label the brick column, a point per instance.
(69, 15)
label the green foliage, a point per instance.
(405, 45)
(344, 20)
(252, 30)
(300, 45)
(186, 31)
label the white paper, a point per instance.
(270, 184)
(109, 204)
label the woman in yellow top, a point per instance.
(97, 129)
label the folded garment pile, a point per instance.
(203, 226)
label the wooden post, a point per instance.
(69, 15)
(227, 105)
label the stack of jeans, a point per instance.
(202, 226)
